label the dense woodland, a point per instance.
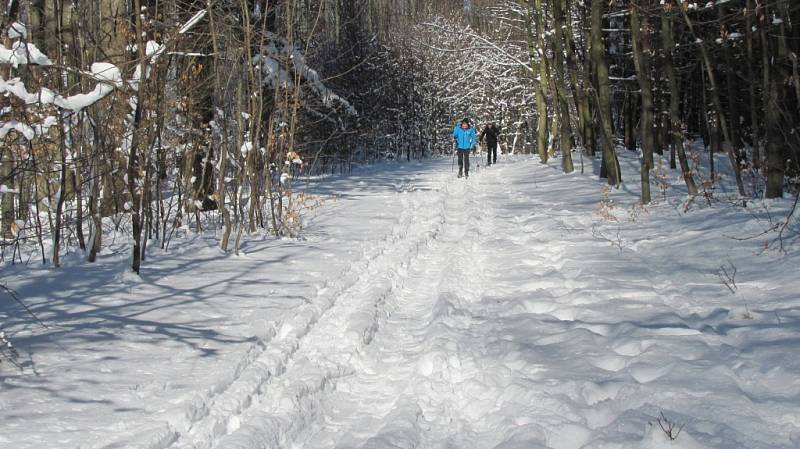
(145, 116)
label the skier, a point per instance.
(464, 139)
(490, 134)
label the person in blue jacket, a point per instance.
(464, 139)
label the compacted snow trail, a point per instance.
(401, 393)
(495, 317)
(440, 373)
(325, 352)
(519, 309)
(519, 325)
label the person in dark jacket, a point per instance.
(464, 139)
(490, 134)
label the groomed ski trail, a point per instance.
(410, 371)
(494, 317)
(276, 396)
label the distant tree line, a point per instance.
(653, 74)
(145, 116)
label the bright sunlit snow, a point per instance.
(515, 309)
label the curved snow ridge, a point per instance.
(321, 353)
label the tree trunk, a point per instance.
(640, 31)
(542, 86)
(62, 193)
(7, 199)
(733, 156)
(776, 159)
(224, 141)
(133, 169)
(676, 140)
(603, 96)
(629, 120)
(578, 89)
(733, 97)
(96, 177)
(752, 83)
(774, 76)
(565, 127)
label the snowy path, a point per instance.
(510, 328)
(318, 352)
(491, 317)
(431, 378)
(402, 386)
(389, 331)
(428, 312)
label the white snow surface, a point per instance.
(423, 311)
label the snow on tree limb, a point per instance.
(108, 75)
(17, 30)
(22, 53)
(276, 72)
(193, 21)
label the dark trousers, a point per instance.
(491, 154)
(463, 161)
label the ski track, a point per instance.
(409, 371)
(474, 350)
(333, 347)
(303, 360)
(431, 340)
(202, 420)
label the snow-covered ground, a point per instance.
(502, 311)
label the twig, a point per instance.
(14, 296)
(786, 222)
(728, 278)
(669, 427)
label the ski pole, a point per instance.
(453, 164)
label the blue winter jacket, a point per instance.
(465, 138)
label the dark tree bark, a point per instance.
(565, 127)
(675, 125)
(640, 31)
(603, 95)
